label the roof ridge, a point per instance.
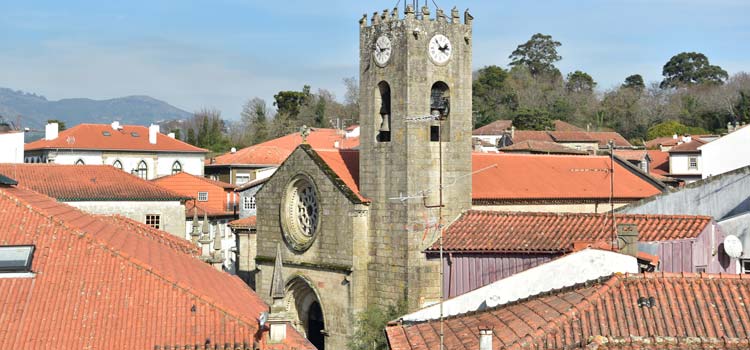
(98, 242)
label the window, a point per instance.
(176, 167)
(203, 196)
(142, 170)
(241, 179)
(693, 163)
(153, 220)
(16, 258)
(745, 266)
(700, 269)
(117, 164)
(80, 162)
(249, 203)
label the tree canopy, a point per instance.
(671, 127)
(580, 82)
(691, 68)
(491, 95)
(539, 55)
(634, 81)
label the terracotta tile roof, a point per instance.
(544, 147)
(274, 152)
(533, 177)
(604, 136)
(92, 137)
(190, 185)
(525, 135)
(344, 164)
(689, 311)
(659, 162)
(632, 155)
(166, 238)
(688, 147)
(563, 126)
(661, 141)
(100, 286)
(244, 223)
(86, 183)
(493, 231)
(495, 128)
(251, 184)
(571, 136)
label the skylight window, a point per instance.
(16, 258)
(134, 134)
(106, 133)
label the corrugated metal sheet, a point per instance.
(467, 272)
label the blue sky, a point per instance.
(221, 53)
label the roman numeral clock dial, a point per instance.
(440, 49)
(382, 50)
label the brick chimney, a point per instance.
(627, 239)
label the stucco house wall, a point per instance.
(727, 153)
(11, 144)
(172, 213)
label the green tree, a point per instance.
(492, 97)
(533, 119)
(290, 102)
(539, 55)
(370, 326)
(191, 137)
(580, 82)
(671, 127)
(60, 123)
(743, 108)
(634, 82)
(691, 68)
(255, 120)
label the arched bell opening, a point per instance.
(383, 118)
(440, 109)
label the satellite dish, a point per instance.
(733, 246)
(262, 319)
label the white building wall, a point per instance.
(70, 158)
(727, 153)
(172, 213)
(11, 147)
(227, 240)
(192, 163)
(678, 163)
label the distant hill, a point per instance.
(35, 110)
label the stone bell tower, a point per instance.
(415, 117)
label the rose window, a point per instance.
(300, 216)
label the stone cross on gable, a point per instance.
(304, 131)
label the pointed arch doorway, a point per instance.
(304, 304)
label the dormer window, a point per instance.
(15, 259)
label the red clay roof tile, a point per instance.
(659, 164)
(688, 147)
(274, 152)
(345, 163)
(544, 147)
(190, 185)
(495, 128)
(527, 176)
(563, 126)
(92, 137)
(689, 311)
(86, 182)
(244, 223)
(571, 136)
(492, 231)
(99, 285)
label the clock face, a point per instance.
(440, 49)
(382, 50)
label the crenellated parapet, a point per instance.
(424, 15)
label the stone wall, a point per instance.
(172, 212)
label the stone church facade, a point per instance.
(345, 246)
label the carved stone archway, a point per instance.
(303, 303)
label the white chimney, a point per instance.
(674, 137)
(116, 125)
(687, 138)
(335, 144)
(233, 150)
(51, 131)
(152, 131)
(171, 135)
(485, 339)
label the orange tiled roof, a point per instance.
(688, 147)
(571, 136)
(546, 147)
(604, 136)
(661, 141)
(634, 155)
(274, 152)
(345, 163)
(92, 137)
(495, 128)
(563, 126)
(601, 137)
(190, 185)
(86, 182)
(524, 135)
(166, 238)
(492, 231)
(689, 311)
(533, 177)
(100, 286)
(659, 162)
(244, 223)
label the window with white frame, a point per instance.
(203, 196)
(693, 163)
(153, 220)
(241, 179)
(249, 203)
(745, 265)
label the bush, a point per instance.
(370, 326)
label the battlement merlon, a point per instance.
(410, 14)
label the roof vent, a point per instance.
(646, 302)
(106, 133)
(134, 134)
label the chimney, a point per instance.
(233, 150)
(152, 131)
(50, 131)
(512, 132)
(335, 144)
(627, 239)
(485, 339)
(687, 138)
(116, 125)
(171, 135)
(674, 137)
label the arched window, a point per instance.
(80, 162)
(117, 164)
(142, 170)
(440, 109)
(384, 112)
(176, 167)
